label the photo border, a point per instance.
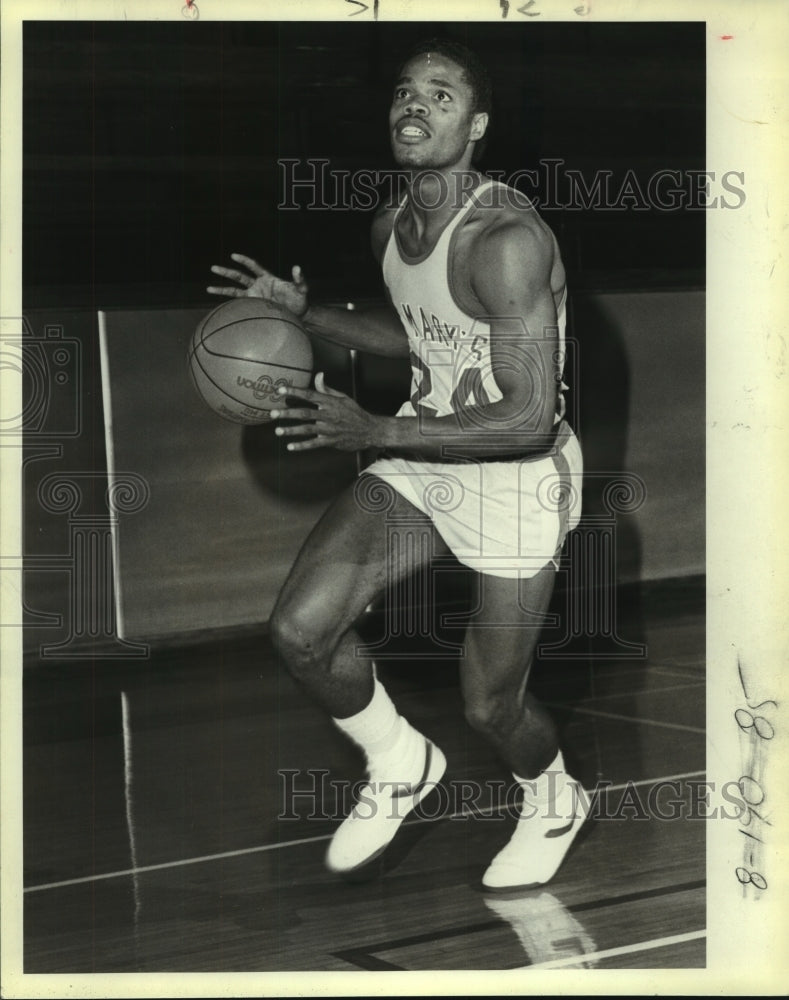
(747, 410)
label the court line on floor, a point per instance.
(678, 671)
(625, 718)
(240, 852)
(651, 668)
(370, 956)
(625, 949)
(657, 690)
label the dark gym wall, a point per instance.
(151, 148)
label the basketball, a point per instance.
(242, 352)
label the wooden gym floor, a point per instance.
(154, 840)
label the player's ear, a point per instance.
(479, 125)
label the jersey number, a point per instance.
(468, 392)
(423, 388)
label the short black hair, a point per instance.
(475, 74)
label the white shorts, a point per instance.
(507, 519)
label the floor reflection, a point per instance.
(545, 928)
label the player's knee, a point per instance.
(297, 640)
(487, 712)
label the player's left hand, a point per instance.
(338, 422)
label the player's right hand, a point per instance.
(260, 283)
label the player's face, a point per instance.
(431, 120)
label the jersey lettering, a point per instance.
(475, 347)
(427, 329)
(409, 316)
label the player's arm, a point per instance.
(375, 328)
(511, 267)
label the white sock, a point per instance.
(542, 794)
(388, 740)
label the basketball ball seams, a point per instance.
(249, 319)
(238, 357)
(254, 318)
(255, 361)
(193, 352)
(240, 375)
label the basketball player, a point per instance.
(476, 458)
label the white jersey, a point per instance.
(450, 350)
(505, 516)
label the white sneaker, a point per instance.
(375, 819)
(539, 843)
